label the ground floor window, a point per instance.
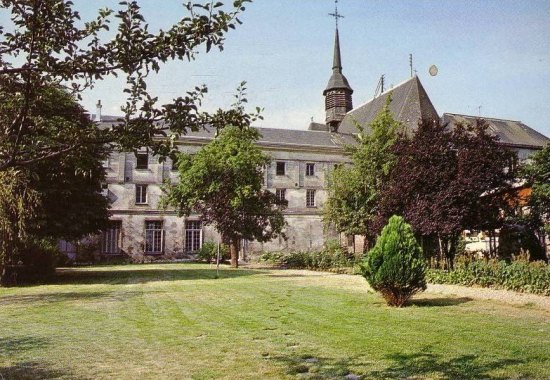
(154, 237)
(193, 235)
(111, 238)
(281, 194)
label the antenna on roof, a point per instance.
(411, 63)
(380, 86)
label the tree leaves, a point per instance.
(49, 46)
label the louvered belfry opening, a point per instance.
(339, 99)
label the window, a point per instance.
(310, 169)
(193, 235)
(310, 198)
(154, 237)
(110, 243)
(281, 194)
(280, 168)
(142, 160)
(141, 194)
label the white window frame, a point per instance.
(141, 197)
(193, 235)
(154, 237)
(280, 194)
(310, 198)
(310, 169)
(110, 239)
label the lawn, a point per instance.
(177, 321)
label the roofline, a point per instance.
(481, 117)
(512, 145)
(196, 140)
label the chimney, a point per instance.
(98, 111)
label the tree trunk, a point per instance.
(365, 244)
(234, 249)
(441, 253)
(452, 251)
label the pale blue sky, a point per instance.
(494, 54)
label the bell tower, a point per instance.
(338, 91)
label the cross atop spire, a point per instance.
(338, 92)
(336, 15)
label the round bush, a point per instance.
(395, 266)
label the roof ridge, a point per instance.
(481, 117)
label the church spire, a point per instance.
(337, 60)
(338, 91)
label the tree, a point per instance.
(537, 174)
(17, 207)
(445, 181)
(66, 199)
(395, 267)
(49, 45)
(223, 184)
(354, 192)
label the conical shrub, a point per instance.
(395, 266)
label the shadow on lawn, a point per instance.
(141, 275)
(431, 302)
(14, 346)
(32, 371)
(402, 366)
(69, 296)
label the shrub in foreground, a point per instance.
(395, 266)
(518, 275)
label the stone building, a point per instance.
(302, 161)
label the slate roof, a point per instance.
(410, 102)
(510, 132)
(286, 137)
(106, 118)
(313, 126)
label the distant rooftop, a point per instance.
(510, 132)
(409, 104)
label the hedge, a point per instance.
(519, 276)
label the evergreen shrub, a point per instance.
(395, 266)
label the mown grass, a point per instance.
(177, 321)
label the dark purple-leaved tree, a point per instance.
(445, 181)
